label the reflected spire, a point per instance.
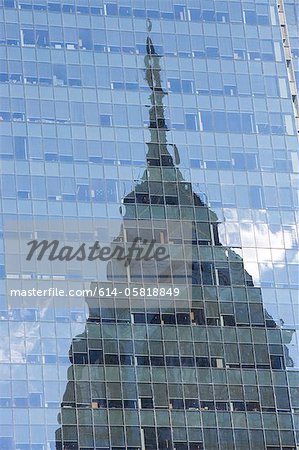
(158, 153)
(162, 158)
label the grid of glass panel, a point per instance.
(291, 14)
(82, 121)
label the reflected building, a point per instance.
(206, 370)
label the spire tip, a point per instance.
(149, 25)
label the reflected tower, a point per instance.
(203, 371)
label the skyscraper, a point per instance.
(209, 134)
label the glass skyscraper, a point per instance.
(179, 120)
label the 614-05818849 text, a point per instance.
(137, 292)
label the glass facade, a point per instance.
(166, 116)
